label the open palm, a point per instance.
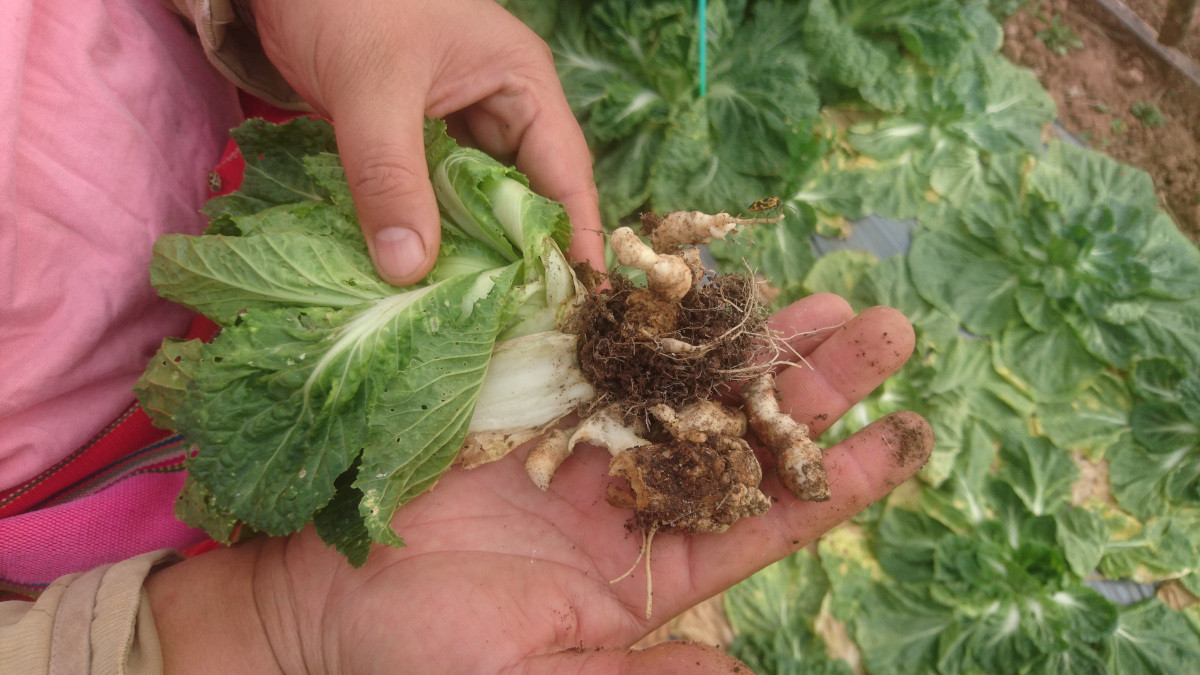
(498, 575)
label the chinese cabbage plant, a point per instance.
(321, 368)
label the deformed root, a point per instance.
(695, 422)
(605, 428)
(798, 460)
(671, 263)
(690, 228)
(658, 357)
(545, 458)
(668, 276)
(694, 487)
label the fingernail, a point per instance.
(399, 252)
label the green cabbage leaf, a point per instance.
(330, 396)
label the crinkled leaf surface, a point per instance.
(1151, 638)
(901, 633)
(339, 524)
(1001, 596)
(838, 272)
(1021, 354)
(1038, 472)
(962, 276)
(1078, 177)
(1161, 547)
(163, 385)
(272, 408)
(275, 172)
(630, 70)
(890, 283)
(772, 613)
(222, 276)
(1083, 534)
(443, 362)
(1090, 422)
(851, 568)
(330, 396)
(946, 138)
(197, 507)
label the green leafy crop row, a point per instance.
(1057, 312)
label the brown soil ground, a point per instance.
(1097, 86)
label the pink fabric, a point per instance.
(126, 519)
(110, 119)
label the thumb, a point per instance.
(667, 658)
(383, 151)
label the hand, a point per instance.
(376, 68)
(499, 576)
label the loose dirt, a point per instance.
(620, 342)
(692, 487)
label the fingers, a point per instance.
(378, 71)
(555, 156)
(344, 62)
(518, 113)
(383, 152)
(667, 658)
(845, 367)
(513, 107)
(803, 325)
(533, 125)
(862, 469)
(841, 369)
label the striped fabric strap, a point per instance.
(129, 445)
(110, 499)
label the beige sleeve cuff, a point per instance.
(230, 41)
(94, 622)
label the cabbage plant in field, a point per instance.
(1074, 265)
(1160, 467)
(631, 73)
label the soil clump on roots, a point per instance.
(692, 487)
(631, 343)
(661, 358)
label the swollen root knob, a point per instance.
(698, 420)
(545, 458)
(798, 460)
(695, 487)
(668, 276)
(689, 228)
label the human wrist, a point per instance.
(207, 617)
(291, 582)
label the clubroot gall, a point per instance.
(661, 358)
(332, 398)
